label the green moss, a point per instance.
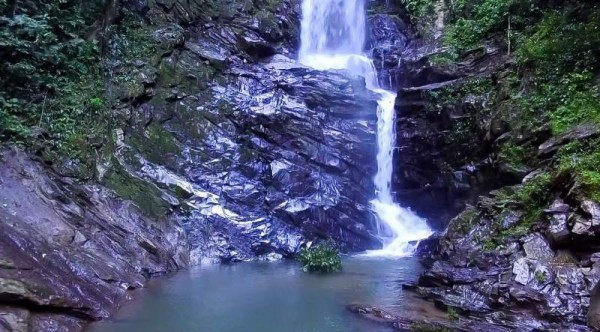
(540, 277)
(475, 91)
(457, 92)
(513, 154)
(489, 245)
(428, 327)
(163, 140)
(581, 160)
(419, 9)
(142, 193)
(533, 197)
(133, 40)
(452, 314)
(156, 144)
(441, 59)
(464, 222)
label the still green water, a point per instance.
(260, 297)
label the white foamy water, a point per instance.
(333, 36)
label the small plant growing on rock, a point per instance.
(321, 258)
(452, 314)
(427, 327)
(540, 277)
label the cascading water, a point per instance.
(333, 36)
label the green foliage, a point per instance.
(580, 107)
(557, 47)
(563, 51)
(540, 277)
(419, 8)
(321, 258)
(535, 192)
(553, 81)
(51, 73)
(441, 59)
(428, 327)
(581, 159)
(563, 40)
(533, 196)
(10, 125)
(464, 222)
(452, 314)
(474, 21)
(475, 87)
(513, 154)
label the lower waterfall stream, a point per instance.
(333, 37)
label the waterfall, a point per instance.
(333, 37)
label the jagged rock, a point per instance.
(558, 231)
(536, 247)
(70, 252)
(387, 43)
(592, 209)
(524, 294)
(521, 271)
(578, 133)
(593, 315)
(581, 225)
(510, 218)
(411, 321)
(442, 273)
(464, 297)
(428, 247)
(14, 319)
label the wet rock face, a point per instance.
(387, 42)
(259, 154)
(227, 148)
(273, 157)
(550, 285)
(69, 253)
(490, 261)
(430, 172)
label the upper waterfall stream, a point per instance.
(333, 37)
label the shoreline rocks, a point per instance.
(69, 252)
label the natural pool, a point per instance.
(265, 296)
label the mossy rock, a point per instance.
(144, 194)
(462, 224)
(156, 144)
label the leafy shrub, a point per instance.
(452, 314)
(473, 21)
(51, 72)
(419, 8)
(563, 54)
(512, 154)
(581, 159)
(321, 258)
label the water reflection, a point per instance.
(266, 297)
